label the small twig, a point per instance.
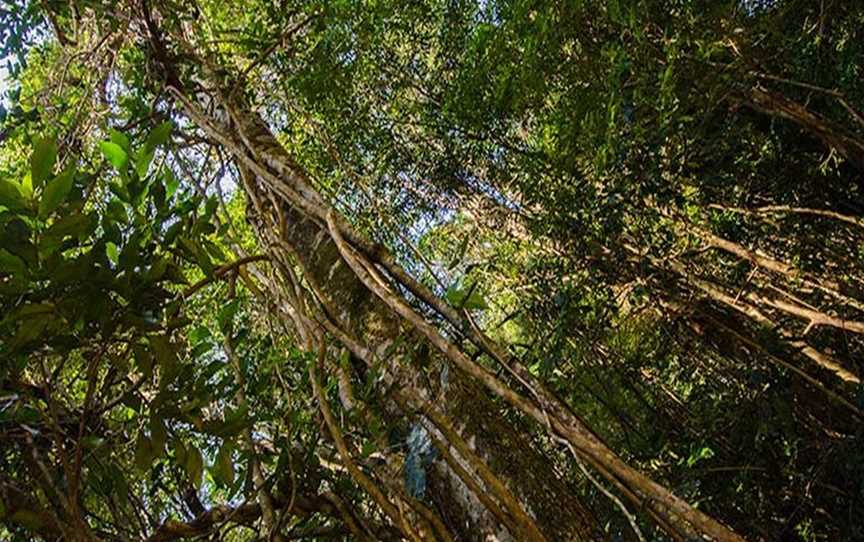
(222, 271)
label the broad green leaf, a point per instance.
(197, 251)
(211, 206)
(55, 193)
(26, 186)
(194, 465)
(142, 164)
(120, 139)
(112, 252)
(143, 452)
(42, 160)
(163, 349)
(75, 225)
(29, 331)
(118, 479)
(116, 211)
(143, 359)
(11, 196)
(171, 184)
(166, 356)
(215, 251)
(235, 421)
(156, 270)
(180, 453)
(223, 468)
(22, 414)
(159, 135)
(158, 434)
(28, 310)
(115, 154)
(226, 314)
(26, 518)
(460, 253)
(120, 191)
(10, 263)
(466, 297)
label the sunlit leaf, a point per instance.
(194, 465)
(465, 297)
(11, 196)
(120, 139)
(112, 252)
(159, 135)
(143, 452)
(158, 434)
(223, 468)
(166, 356)
(142, 164)
(42, 160)
(115, 154)
(55, 192)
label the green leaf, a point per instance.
(171, 184)
(28, 310)
(460, 253)
(158, 136)
(120, 191)
(197, 251)
(116, 211)
(180, 453)
(235, 421)
(215, 251)
(166, 356)
(112, 252)
(703, 452)
(76, 225)
(42, 160)
(143, 359)
(92, 442)
(118, 479)
(26, 518)
(142, 164)
(10, 263)
(29, 332)
(143, 452)
(120, 139)
(223, 468)
(194, 465)
(158, 434)
(11, 196)
(115, 154)
(26, 186)
(465, 297)
(163, 349)
(55, 193)
(156, 270)
(225, 316)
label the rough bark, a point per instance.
(480, 421)
(830, 134)
(251, 143)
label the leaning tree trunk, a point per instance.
(534, 494)
(250, 142)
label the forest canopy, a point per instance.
(431, 270)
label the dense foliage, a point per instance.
(313, 270)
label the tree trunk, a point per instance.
(282, 182)
(481, 422)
